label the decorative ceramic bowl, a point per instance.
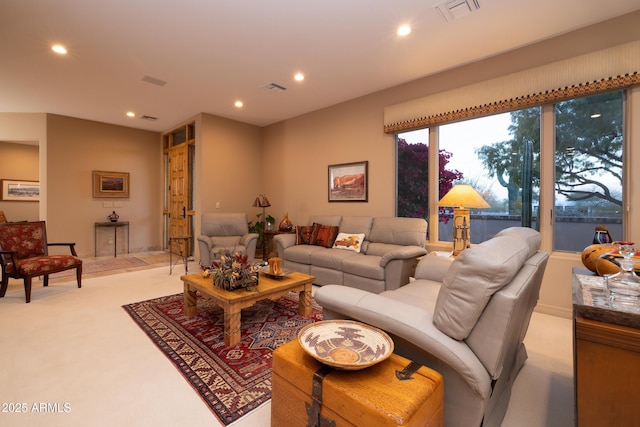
(345, 344)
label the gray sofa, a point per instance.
(466, 318)
(386, 260)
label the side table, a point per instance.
(606, 342)
(182, 242)
(115, 226)
(267, 239)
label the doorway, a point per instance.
(179, 155)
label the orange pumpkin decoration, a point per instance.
(591, 254)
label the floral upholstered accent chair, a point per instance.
(24, 254)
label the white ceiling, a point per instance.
(214, 52)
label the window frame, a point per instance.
(547, 170)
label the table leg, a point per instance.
(186, 261)
(304, 303)
(231, 325)
(190, 301)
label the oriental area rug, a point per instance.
(232, 381)
(101, 265)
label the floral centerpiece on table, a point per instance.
(234, 271)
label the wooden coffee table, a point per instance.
(232, 302)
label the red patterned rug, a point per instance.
(100, 265)
(232, 381)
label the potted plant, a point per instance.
(258, 227)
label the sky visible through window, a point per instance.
(462, 139)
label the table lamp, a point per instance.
(262, 202)
(462, 197)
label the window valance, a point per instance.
(600, 71)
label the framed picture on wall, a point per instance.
(20, 191)
(348, 182)
(110, 184)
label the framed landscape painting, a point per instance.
(110, 184)
(348, 182)
(20, 191)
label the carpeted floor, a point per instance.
(78, 347)
(235, 380)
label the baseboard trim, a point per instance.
(553, 310)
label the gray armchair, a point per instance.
(465, 318)
(225, 232)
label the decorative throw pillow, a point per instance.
(349, 241)
(325, 235)
(305, 234)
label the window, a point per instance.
(413, 174)
(589, 155)
(500, 156)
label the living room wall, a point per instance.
(20, 161)
(75, 148)
(299, 150)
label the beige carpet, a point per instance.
(76, 355)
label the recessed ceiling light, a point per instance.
(404, 30)
(58, 48)
(131, 114)
(239, 104)
(299, 77)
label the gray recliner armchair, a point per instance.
(225, 232)
(465, 318)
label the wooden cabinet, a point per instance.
(606, 360)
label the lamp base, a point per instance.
(461, 230)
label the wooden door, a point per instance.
(179, 197)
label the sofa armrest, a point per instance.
(248, 238)
(205, 243)
(433, 267)
(403, 252)
(206, 240)
(410, 323)
(283, 241)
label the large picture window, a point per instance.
(500, 156)
(589, 156)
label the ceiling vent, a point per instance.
(450, 10)
(275, 88)
(150, 118)
(154, 81)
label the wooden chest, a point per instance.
(373, 396)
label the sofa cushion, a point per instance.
(301, 253)
(330, 258)
(225, 241)
(363, 266)
(304, 234)
(325, 235)
(351, 242)
(357, 225)
(399, 231)
(224, 224)
(474, 276)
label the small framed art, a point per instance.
(20, 191)
(110, 184)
